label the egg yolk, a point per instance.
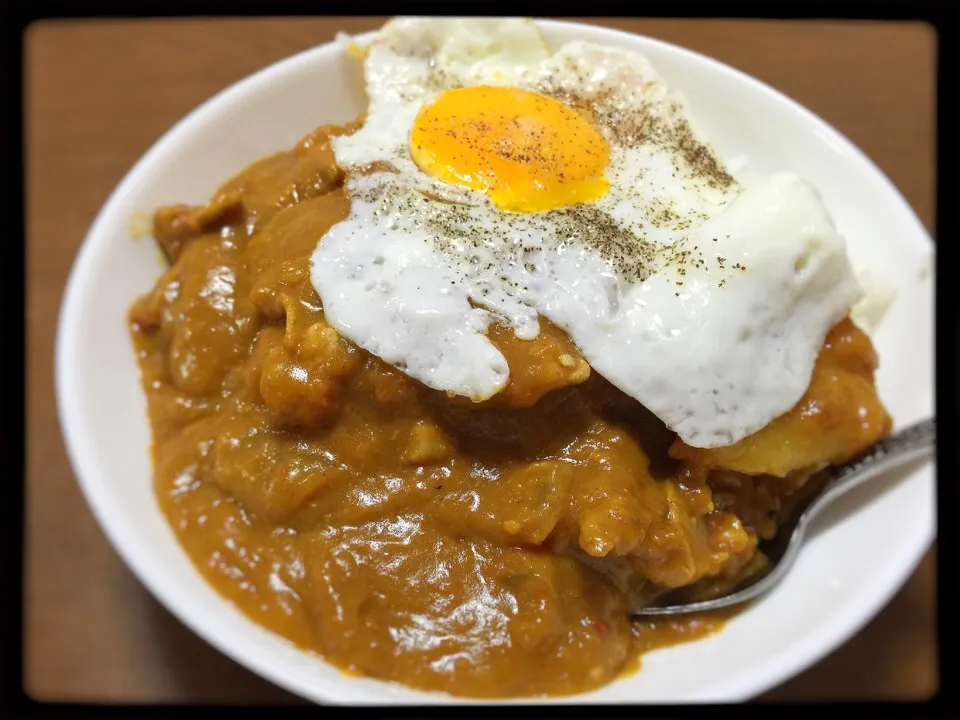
(528, 152)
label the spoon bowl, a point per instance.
(909, 444)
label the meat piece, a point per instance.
(176, 225)
(550, 361)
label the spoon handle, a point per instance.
(911, 443)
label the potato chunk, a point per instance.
(838, 417)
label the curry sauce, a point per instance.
(483, 549)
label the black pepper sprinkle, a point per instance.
(632, 257)
(644, 124)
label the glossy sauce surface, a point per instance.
(482, 549)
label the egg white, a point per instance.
(717, 336)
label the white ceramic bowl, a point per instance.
(857, 558)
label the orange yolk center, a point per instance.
(528, 152)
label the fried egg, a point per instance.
(495, 181)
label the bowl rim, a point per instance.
(831, 634)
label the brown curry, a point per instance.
(483, 549)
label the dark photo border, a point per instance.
(942, 16)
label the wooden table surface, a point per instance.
(99, 93)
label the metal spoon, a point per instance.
(912, 443)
